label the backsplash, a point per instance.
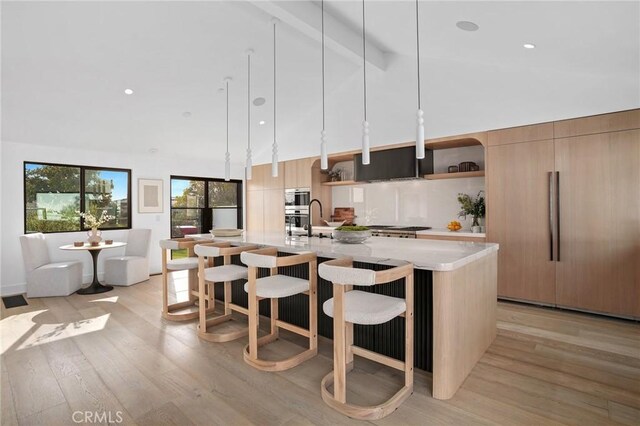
(415, 202)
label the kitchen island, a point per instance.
(455, 298)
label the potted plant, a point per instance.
(94, 223)
(474, 207)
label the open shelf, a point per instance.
(339, 183)
(457, 175)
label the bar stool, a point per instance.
(274, 287)
(176, 311)
(348, 307)
(207, 277)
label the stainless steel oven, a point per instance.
(296, 220)
(297, 197)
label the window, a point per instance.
(54, 193)
(200, 204)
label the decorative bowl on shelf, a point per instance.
(226, 232)
(351, 234)
(334, 224)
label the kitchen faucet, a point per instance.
(309, 230)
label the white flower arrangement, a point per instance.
(92, 222)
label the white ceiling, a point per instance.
(65, 66)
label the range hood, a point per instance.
(393, 164)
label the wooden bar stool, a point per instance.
(274, 287)
(348, 307)
(179, 311)
(207, 277)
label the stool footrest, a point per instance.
(293, 328)
(382, 359)
(238, 308)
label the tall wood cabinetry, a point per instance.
(563, 202)
(265, 199)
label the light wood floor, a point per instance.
(113, 353)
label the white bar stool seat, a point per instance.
(277, 286)
(348, 307)
(361, 307)
(223, 274)
(182, 264)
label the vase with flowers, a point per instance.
(474, 207)
(93, 222)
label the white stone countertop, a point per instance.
(445, 232)
(433, 255)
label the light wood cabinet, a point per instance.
(598, 265)
(265, 199)
(518, 218)
(572, 241)
(297, 173)
(255, 207)
(273, 210)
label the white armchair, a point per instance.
(133, 267)
(43, 277)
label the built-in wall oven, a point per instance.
(296, 209)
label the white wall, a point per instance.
(12, 278)
(418, 202)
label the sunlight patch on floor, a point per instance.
(13, 328)
(113, 299)
(47, 333)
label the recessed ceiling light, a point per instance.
(153, 150)
(259, 101)
(262, 122)
(186, 114)
(128, 91)
(467, 26)
(529, 46)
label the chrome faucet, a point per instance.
(309, 230)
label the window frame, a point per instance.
(239, 198)
(81, 192)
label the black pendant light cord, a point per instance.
(227, 116)
(274, 82)
(323, 65)
(364, 63)
(418, 50)
(249, 101)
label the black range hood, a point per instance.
(393, 164)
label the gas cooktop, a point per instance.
(396, 230)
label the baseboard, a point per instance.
(13, 289)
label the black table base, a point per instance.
(95, 287)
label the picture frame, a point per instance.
(150, 195)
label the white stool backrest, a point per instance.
(258, 260)
(170, 244)
(138, 242)
(35, 252)
(347, 276)
(208, 251)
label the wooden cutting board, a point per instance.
(344, 213)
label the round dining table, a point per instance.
(95, 287)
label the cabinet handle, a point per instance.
(557, 184)
(551, 215)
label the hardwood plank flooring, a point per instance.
(113, 353)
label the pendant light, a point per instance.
(324, 161)
(274, 152)
(420, 113)
(249, 164)
(365, 123)
(227, 156)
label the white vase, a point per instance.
(476, 229)
(94, 235)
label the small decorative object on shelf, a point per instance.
(351, 234)
(94, 223)
(335, 175)
(78, 243)
(95, 243)
(468, 166)
(452, 169)
(108, 241)
(454, 226)
(474, 207)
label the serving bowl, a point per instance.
(351, 237)
(226, 232)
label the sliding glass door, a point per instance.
(201, 204)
